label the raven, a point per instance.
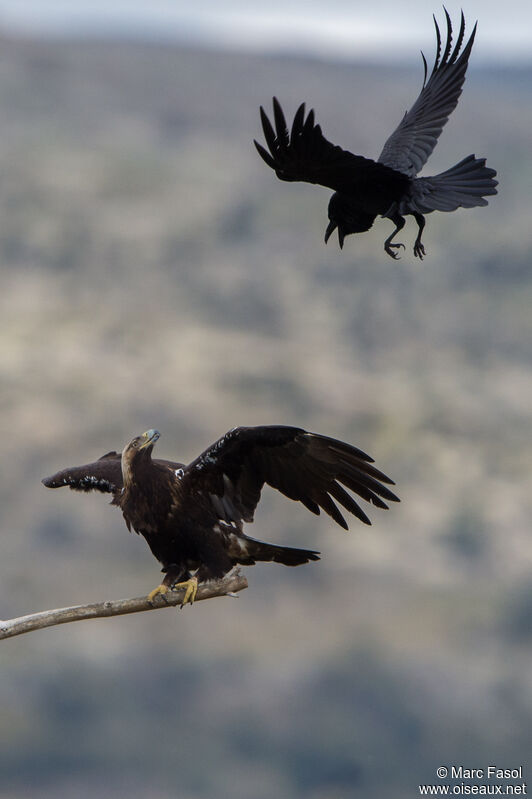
(388, 187)
(192, 516)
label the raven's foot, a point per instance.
(161, 590)
(388, 249)
(419, 249)
(191, 586)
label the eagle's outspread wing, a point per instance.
(412, 142)
(305, 467)
(306, 155)
(103, 475)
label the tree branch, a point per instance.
(231, 583)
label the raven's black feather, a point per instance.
(388, 187)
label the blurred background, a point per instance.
(155, 273)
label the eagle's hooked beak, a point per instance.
(150, 437)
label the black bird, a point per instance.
(388, 187)
(192, 516)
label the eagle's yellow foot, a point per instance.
(160, 590)
(191, 587)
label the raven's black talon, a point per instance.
(419, 250)
(391, 253)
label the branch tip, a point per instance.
(227, 586)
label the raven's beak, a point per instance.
(150, 437)
(331, 227)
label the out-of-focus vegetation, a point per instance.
(155, 273)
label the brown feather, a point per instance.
(192, 516)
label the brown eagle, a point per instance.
(192, 516)
(388, 187)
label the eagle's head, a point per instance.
(136, 452)
(346, 218)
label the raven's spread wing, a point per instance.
(305, 155)
(412, 142)
(305, 467)
(103, 475)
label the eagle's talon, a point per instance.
(191, 589)
(161, 590)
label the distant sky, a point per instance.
(377, 29)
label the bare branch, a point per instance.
(230, 584)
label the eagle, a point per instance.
(192, 515)
(388, 187)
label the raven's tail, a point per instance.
(464, 185)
